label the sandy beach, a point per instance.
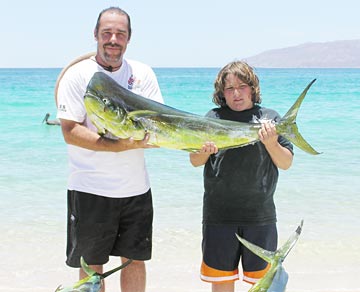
(37, 264)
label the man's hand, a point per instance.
(131, 143)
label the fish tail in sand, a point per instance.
(281, 253)
(91, 272)
(266, 255)
(108, 273)
(276, 278)
(288, 128)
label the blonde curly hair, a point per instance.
(245, 73)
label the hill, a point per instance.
(336, 54)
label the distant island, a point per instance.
(336, 54)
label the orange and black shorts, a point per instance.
(222, 252)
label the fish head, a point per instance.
(89, 284)
(108, 106)
(93, 282)
(108, 114)
(102, 102)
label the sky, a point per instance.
(169, 33)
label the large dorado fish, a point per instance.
(276, 278)
(116, 110)
(93, 282)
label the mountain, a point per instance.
(336, 54)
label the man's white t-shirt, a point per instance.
(109, 174)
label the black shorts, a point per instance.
(100, 226)
(222, 252)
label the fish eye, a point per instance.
(105, 100)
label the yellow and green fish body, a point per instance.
(183, 132)
(123, 114)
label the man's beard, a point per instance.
(112, 58)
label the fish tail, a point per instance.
(294, 136)
(266, 255)
(89, 271)
(108, 273)
(289, 129)
(289, 244)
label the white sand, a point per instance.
(37, 264)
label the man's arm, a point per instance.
(78, 135)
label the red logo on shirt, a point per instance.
(131, 82)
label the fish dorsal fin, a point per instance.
(152, 114)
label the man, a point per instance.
(109, 197)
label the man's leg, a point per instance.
(133, 277)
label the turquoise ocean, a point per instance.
(322, 190)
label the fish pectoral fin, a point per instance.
(191, 150)
(134, 115)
